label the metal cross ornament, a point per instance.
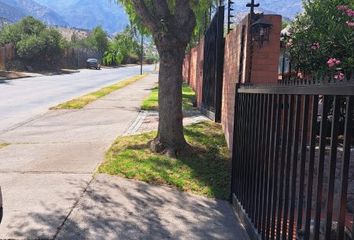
(252, 5)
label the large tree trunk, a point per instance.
(170, 138)
(171, 26)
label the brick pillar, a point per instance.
(265, 60)
(237, 60)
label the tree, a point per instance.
(322, 38)
(98, 40)
(171, 24)
(124, 46)
(34, 42)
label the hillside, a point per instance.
(88, 14)
(10, 13)
(13, 10)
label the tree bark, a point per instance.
(172, 31)
(170, 138)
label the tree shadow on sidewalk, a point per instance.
(116, 208)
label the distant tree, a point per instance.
(322, 39)
(123, 46)
(171, 24)
(33, 40)
(98, 40)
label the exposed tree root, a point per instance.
(173, 152)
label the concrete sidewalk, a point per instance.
(51, 159)
(49, 192)
(117, 208)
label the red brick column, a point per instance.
(264, 67)
(265, 59)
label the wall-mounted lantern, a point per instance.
(261, 30)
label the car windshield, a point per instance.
(92, 60)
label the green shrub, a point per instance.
(34, 42)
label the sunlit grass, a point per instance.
(82, 101)
(205, 171)
(2, 145)
(189, 97)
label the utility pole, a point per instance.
(142, 54)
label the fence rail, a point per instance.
(293, 163)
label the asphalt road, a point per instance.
(23, 99)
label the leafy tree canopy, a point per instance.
(201, 10)
(33, 40)
(98, 40)
(123, 46)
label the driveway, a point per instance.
(23, 99)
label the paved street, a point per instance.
(23, 99)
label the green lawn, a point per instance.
(82, 101)
(189, 97)
(206, 171)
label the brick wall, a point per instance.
(230, 78)
(264, 62)
(193, 70)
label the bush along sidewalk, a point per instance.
(188, 99)
(204, 171)
(81, 102)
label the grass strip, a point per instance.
(188, 99)
(2, 145)
(80, 102)
(206, 171)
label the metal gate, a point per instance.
(213, 66)
(293, 163)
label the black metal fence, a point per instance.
(213, 66)
(293, 160)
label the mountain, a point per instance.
(10, 13)
(3, 22)
(14, 10)
(88, 14)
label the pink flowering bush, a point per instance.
(322, 39)
(315, 46)
(350, 24)
(349, 12)
(339, 76)
(332, 62)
